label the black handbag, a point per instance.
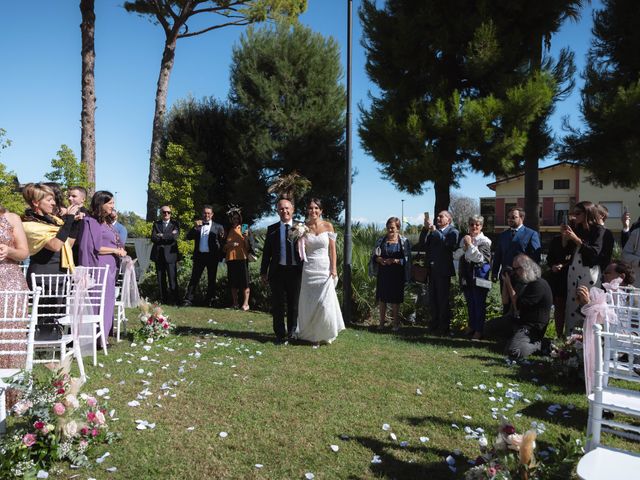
(49, 332)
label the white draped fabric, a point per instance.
(319, 315)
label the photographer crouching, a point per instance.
(531, 299)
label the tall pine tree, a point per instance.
(452, 97)
(609, 147)
(285, 82)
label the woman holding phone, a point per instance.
(237, 248)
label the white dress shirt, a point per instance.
(204, 237)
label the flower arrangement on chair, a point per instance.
(54, 422)
(154, 323)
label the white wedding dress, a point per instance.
(319, 316)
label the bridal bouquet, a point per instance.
(298, 231)
(54, 421)
(155, 324)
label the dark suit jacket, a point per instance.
(165, 247)
(525, 241)
(439, 246)
(216, 234)
(271, 251)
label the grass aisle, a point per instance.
(284, 406)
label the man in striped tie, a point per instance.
(282, 268)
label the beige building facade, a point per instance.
(561, 186)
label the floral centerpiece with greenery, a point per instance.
(568, 356)
(53, 422)
(512, 456)
(154, 323)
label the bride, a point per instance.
(319, 316)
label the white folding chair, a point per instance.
(626, 305)
(17, 330)
(55, 291)
(92, 325)
(603, 462)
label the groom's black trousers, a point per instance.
(285, 291)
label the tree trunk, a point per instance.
(168, 57)
(531, 155)
(441, 190)
(88, 114)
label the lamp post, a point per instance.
(346, 271)
(402, 217)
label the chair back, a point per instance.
(95, 296)
(626, 305)
(18, 316)
(55, 290)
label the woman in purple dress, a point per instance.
(101, 246)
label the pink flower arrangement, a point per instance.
(155, 324)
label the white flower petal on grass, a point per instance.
(386, 427)
(190, 429)
(453, 425)
(424, 439)
(134, 345)
(418, 391)
(140, 371)
(309, 476)
(466, 417)
(101, 392)
(376, 459)
(112, 469)
(103, 457)
(223, 434)
(335, 448)
(42, 474)
(393, 436)
(404, 444)
(258, 465)
(450, 460)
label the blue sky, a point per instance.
(40, 94)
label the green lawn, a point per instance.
(284, 406)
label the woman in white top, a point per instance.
(319, 315)
(474, 255)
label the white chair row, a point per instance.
(18, 317)
(617, 353)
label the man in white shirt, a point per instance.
(207, 237)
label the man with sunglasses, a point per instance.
(164, 236)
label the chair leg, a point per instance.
(3, 409)
(596, 428)
(118, 321)
(103, 338)
(94, 343)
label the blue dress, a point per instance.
(391, 278)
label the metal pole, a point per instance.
(346, 271)
(402, 217)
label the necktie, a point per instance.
(287, 246)
(513, 232)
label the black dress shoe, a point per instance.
(187, 303)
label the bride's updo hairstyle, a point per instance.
(315, 200)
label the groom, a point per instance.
(282, 268)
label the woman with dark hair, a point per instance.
(101, 246)
(391, 264)
(586, 241)
(319, 316)
(237, 247)
(58, 196)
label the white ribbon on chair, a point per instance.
(129, 294)
(596, 311)
(80, 306)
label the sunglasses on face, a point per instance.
(167, 212)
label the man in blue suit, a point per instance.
(440, 242)
(514, 241)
